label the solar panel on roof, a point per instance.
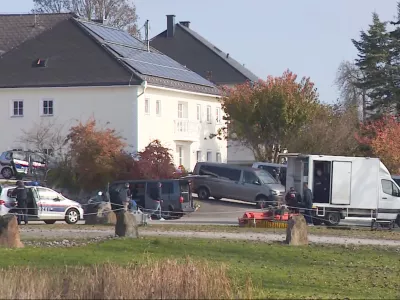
(115, 35)
(151, 57)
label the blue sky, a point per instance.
(310, 37)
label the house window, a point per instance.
(179, 150)
(198, 112)
(48, 152)
(147, 106)
(209, 156)
(182, 110)
(18, 108)
(218, 115)
(198, 156)
(158, 108)
(209, 114)
(48, 107)
(218, 157)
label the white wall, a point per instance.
(238, 154)
(112, 105)
(153, 126)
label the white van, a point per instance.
(355, 187)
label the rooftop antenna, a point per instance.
(147, 35)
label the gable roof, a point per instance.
(81, 53)
(161, 43)
(228, 59)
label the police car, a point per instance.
(44, 204)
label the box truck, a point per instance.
(345, 187)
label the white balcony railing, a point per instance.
(186, 130)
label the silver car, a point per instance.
(219, 180)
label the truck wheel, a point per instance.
(203, 193)
(7, 173)
(332, 219)
(398, 221)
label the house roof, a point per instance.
(81, 53)
(163, 43)
(228, 59)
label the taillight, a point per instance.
(2, 202)
(181, 199)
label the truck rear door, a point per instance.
(186, 198)
(341, 182)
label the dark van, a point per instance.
(175, 193)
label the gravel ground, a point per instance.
(94, 235)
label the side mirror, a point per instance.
(56, 199)
(256, 182)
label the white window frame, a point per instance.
(12, 108)
(42, 108)
(147, 106)
(218, 115)
(182, 110)
(209, 156)
(198, 112)
(218, 158)
(209, 114)
(198, 156)
(158, 108)
(48, 151)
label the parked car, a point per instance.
(44, 204)
(220, 180)
(272, 168)
(22, 163)
(175, 193)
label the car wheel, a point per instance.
(203, 193)
(72, 216)
(261, 202)
(49, 222)
(332, 219)
(7, 173)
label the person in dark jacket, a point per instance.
(21, 194)
(308, 203)
(115, 199)
(155, 195)
(293, 200)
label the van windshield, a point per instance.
(265, 177)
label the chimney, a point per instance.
(185, 23)
(170, 26)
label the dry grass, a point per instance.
(157, 280)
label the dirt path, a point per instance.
(265, 237)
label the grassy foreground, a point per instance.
(253, 269)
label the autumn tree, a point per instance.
(382, 138)
(118, 13)
(331, 131)
(94, 152)
(263, 116)
(154, 162)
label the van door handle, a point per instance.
(384, 198)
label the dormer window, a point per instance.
(40, 63)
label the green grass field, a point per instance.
(275, 270)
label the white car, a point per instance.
(44, 204)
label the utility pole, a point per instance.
(146, 25)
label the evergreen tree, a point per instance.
(373, 60)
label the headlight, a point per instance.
(274, 193)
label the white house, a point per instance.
(58, 68)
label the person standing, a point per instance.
(308, 203)
(156, 196)
(21, 195)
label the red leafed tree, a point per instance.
(154, 162)
(382, 139)
(94, 152)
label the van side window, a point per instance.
(167, 187)
(250, 177)
(388, 187)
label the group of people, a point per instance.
(124, 199)
(295, 201)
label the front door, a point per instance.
(50, 204)
(250, 186)
(389, 204)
